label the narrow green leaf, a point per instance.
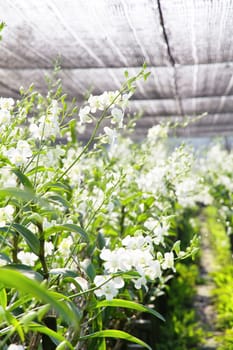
(28, 317)
(113, 333)
(31, 239)
(59, 199)
(73, 132)
(62, 345)
(12, 320)
(57, 186)
(176, 247)
(2, 25)
(20, 302)
(42, 312)
(14, 279)
(3, 298)
(24, 195)
(126, 74)
(39, 169)
(64, 272)
(146, 75)
(102, 344)
(26, 271)
(130, 198)
(129, 305)
(6, 229)
(36, 327)
(90, 271)
(66, 227)
(100, 240)
(23, 178)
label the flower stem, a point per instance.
(42, 252)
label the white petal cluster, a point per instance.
(108, 287)
(154, 181)
(117, 117)
(27, 258)
(157, 132)
(113, 101)
(135, 255)
(65, 247)
(6, 214)
(105, 100)
(168, 261)
(15, 347)
(84, 115)
(48, 248)
(20, 154)
(158, 229)
(7, 179)
(111, 134)
(6, 106)
(48, 125)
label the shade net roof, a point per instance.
(187, 45)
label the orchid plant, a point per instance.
(87, 230)
(215, 167)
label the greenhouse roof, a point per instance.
(187, 45)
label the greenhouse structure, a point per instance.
(116, 175)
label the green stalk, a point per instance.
(85, 148)
(42, 252)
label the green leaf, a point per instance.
(24, 195)
(62, 345)
(42, 312)
(126, 74)
(26, 271)
(102, 345)
(6, 229)
(14, 279)
(3, 298)
(73, 131)
(23, 178)
(19, 303)
(39, 169)
(64, 272)
(113, 333)
(34, 218)
(4, 240)
(100, 240)
(90, 271)
(31, 239)
(131, 198)
(57, 186)
(2, 25)
(16, 324)
(28, 317)
(146, 75)
(176, 247)
(129, 305)
(59, 199)
(66, 227)
(36, 327)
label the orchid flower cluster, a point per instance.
(215, 167)
(83, 227)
